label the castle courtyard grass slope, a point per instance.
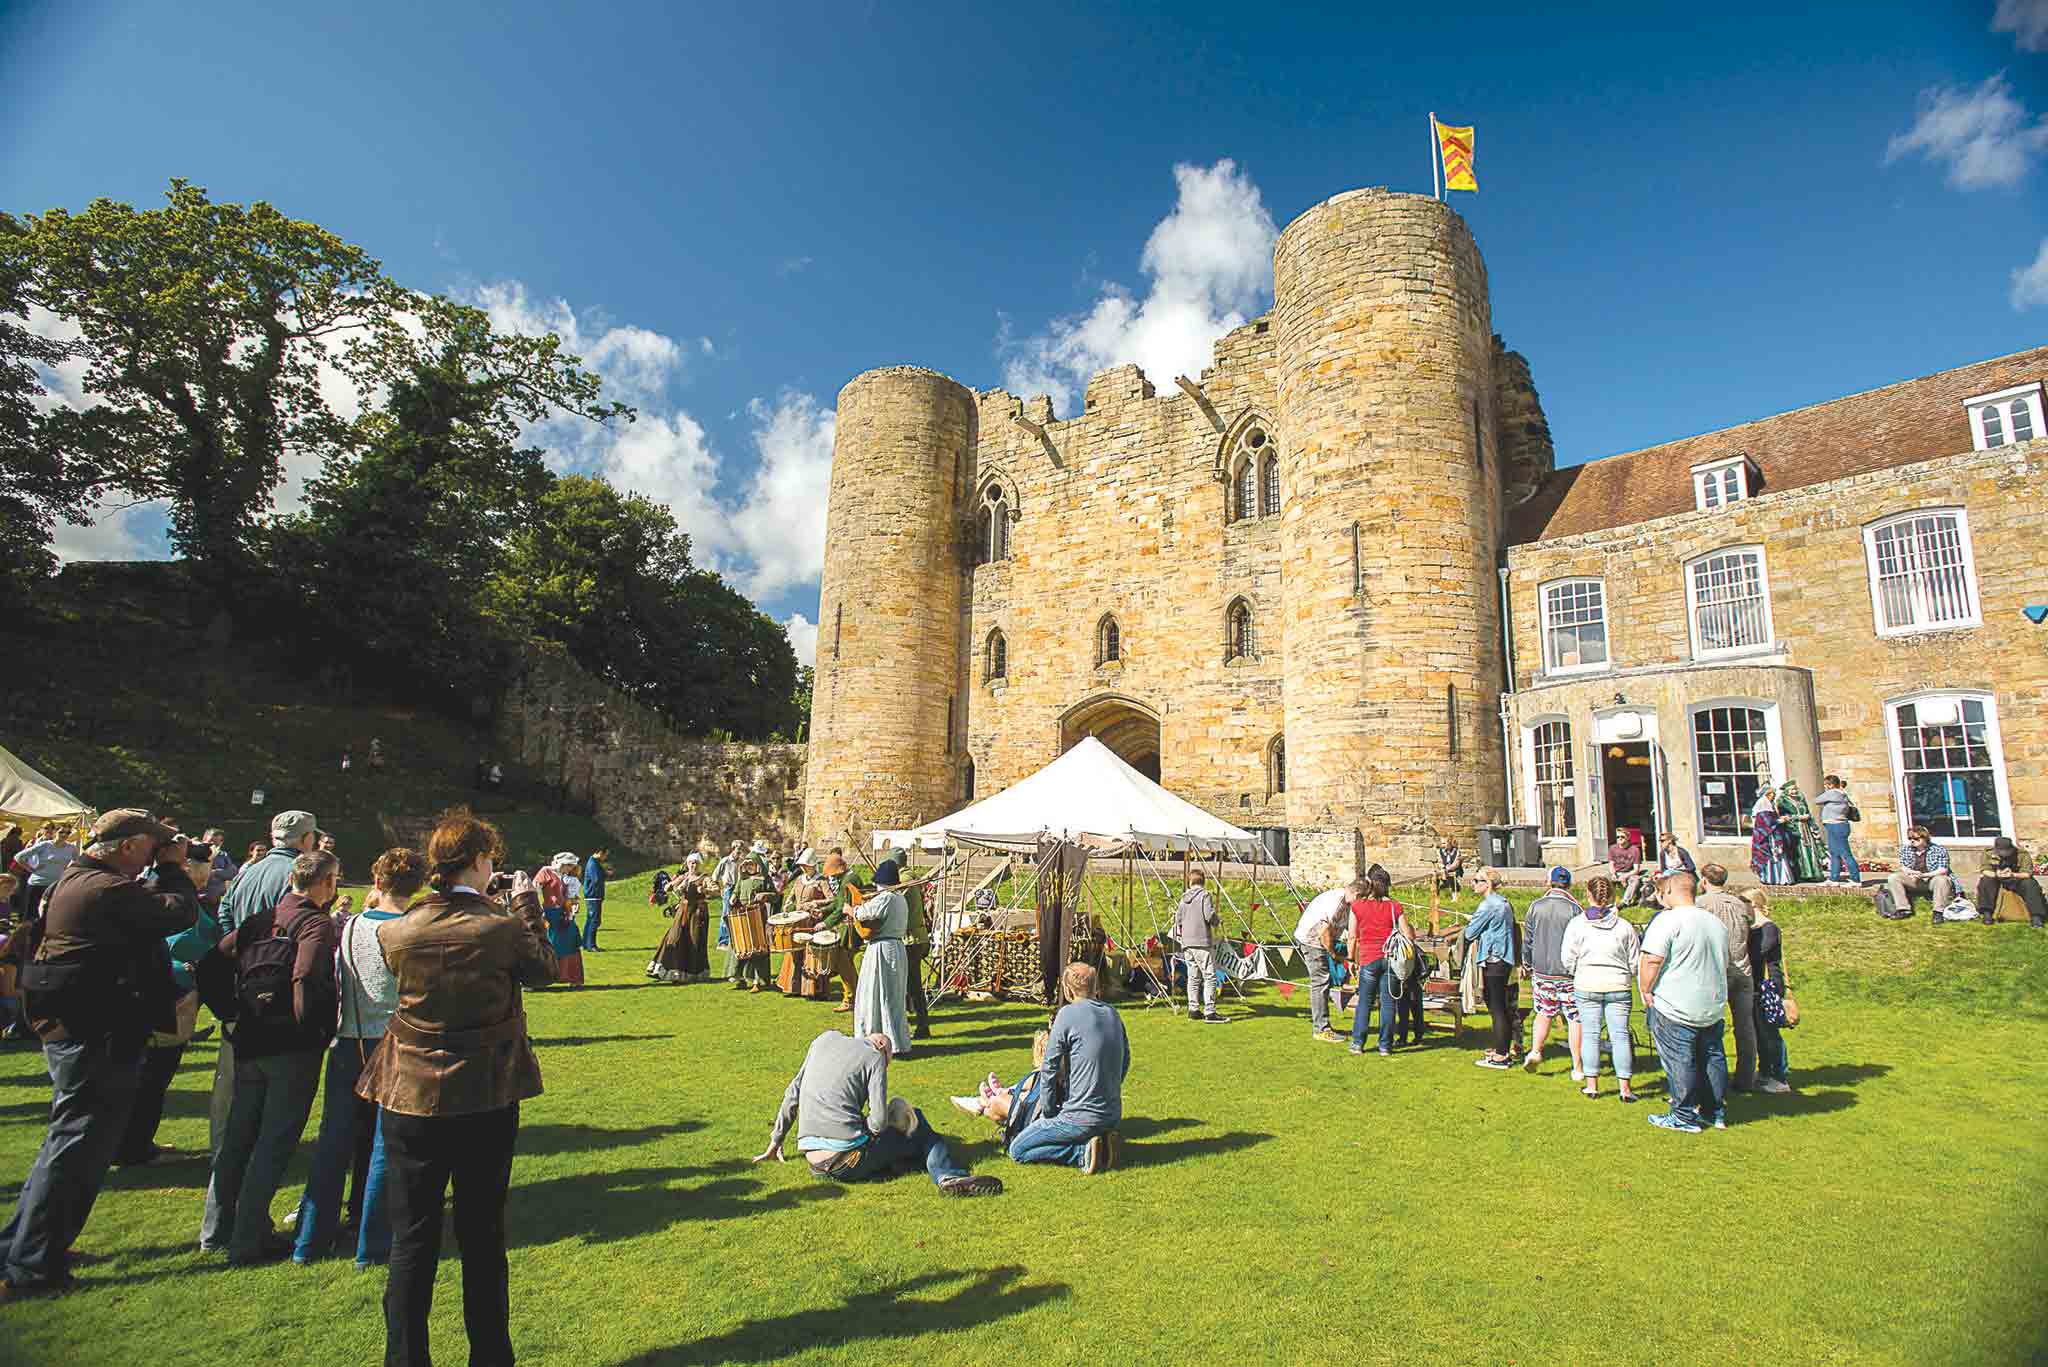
(1281, 1201)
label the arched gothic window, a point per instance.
(992, 526)
(1276, 765)
(998, 665)
(1237, 632)
(1109, 641)
(1254, 476)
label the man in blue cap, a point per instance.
(1543, 959)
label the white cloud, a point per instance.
(1985, 137)
(792, 264)
(803, 635)
(704, 345)
(767, 537)
(117, 532)
(2030, 283)
(1211, 268)
(2025, 20)
(778, 528)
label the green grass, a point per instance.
(1282, 1201)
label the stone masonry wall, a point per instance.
(1391, 622)
(656, 791)
(1124, 516)
(1822, 617)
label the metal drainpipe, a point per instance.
(1507, 751)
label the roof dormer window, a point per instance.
(1717, 483)
(2009, 416)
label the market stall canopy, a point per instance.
(1091, 797)
(27, 797)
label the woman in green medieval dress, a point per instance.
(1809, 857)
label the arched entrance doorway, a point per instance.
(1128, 727)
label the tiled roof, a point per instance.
(1897, 425)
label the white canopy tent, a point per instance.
(28, 797)
(1090, 797)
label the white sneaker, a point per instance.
(1578, 1076)
(969, 1104)
(1773, 1086)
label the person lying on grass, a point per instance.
(849, 1130)
(1011, 1108)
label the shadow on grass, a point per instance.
(889, 1312)
(545, 1139)
(1018, 1043)
(631, 1202)
(1146, 1155)
(573, 1041)
(1840, 1074)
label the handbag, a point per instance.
(1854, 813)
(1777, 1006)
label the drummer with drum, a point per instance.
(753, 901)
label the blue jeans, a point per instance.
(1695, 1068)
(1839, 857)
(1613, 1008)
(893, 1151)
(342, 1116)
(724, 931)
(92, 1089)
(1055, 1141)
(273, 1098)
(1375, 984)
(593, 916)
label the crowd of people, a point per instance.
(406, 1018)
(1705, 959)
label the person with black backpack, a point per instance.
(284, 1016)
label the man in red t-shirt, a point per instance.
(1374, 916)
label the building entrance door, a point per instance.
(1628, 778)
(1125, 725)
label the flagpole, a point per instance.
(1435, 159)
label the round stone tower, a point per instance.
(885, 696)
(1390, 607)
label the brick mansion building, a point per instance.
(1335, 584)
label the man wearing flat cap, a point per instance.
(256, 891)
(97, 982)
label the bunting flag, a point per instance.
(1456, 146)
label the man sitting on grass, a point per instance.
(849, 1130)
(1086, 1060)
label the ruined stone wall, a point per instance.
(1527, 456)
(1822, 620)
(656, 791)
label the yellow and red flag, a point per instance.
(1455, 145)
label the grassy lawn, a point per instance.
(1282, 1201)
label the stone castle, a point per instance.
(1281, 587)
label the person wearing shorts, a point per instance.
(1542, 958)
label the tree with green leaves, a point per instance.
(220, 339)
(608, 575)
(41, 485)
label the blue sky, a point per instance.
(1689, 221)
